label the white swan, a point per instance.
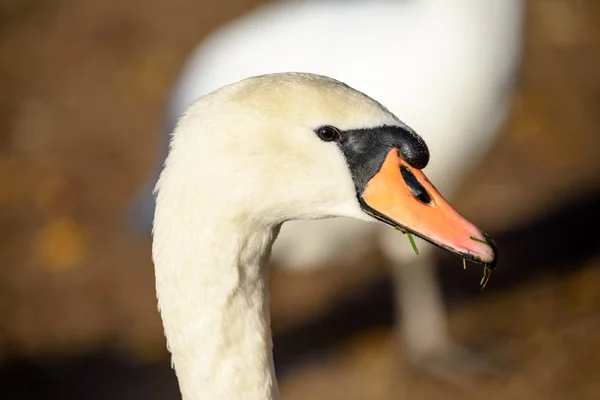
(243, 160)
(446, 65)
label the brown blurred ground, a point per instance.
(82, 88)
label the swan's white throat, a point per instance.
(214, 303)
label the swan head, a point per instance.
(289, 146)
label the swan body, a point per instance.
(221, 202)
(446, 66)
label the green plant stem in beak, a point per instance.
(412, 243)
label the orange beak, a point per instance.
(403, 197)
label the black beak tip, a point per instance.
(492, 244)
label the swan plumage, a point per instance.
(446, 66)
(245, 159)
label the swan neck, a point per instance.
(214, 301)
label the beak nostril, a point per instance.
(415, 186)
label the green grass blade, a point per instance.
(486, 276)
(412, 243)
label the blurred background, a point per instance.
(83, 92)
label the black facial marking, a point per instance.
(415, 186)
(366, 149)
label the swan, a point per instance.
(447, 66)
(243, 160)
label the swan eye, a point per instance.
(328, 133)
